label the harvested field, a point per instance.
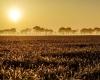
(50, 58)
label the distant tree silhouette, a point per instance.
(73, 31)
(7, 31)
(48, 31)
(13, 30)
(26, 30)
(86, 31)
(62, 30)
(43, 30)
(38, 29)
(97, 29)
(67, 30)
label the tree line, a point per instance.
(47, 31)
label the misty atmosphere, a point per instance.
(64, 31)
(49, 39)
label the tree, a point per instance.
(7, 31)
(27, 30)
(87, 31)
(97, 29)
(67, 30)
(48, 31)
(38, 29)
(62, 30)
(73, 31)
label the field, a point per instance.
(50, 58)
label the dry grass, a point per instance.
(50, 58)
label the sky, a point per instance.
(51, 13)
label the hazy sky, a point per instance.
(52, 13)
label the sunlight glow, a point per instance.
(14, 14)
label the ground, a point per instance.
(50, 57)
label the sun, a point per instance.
(14, 14)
